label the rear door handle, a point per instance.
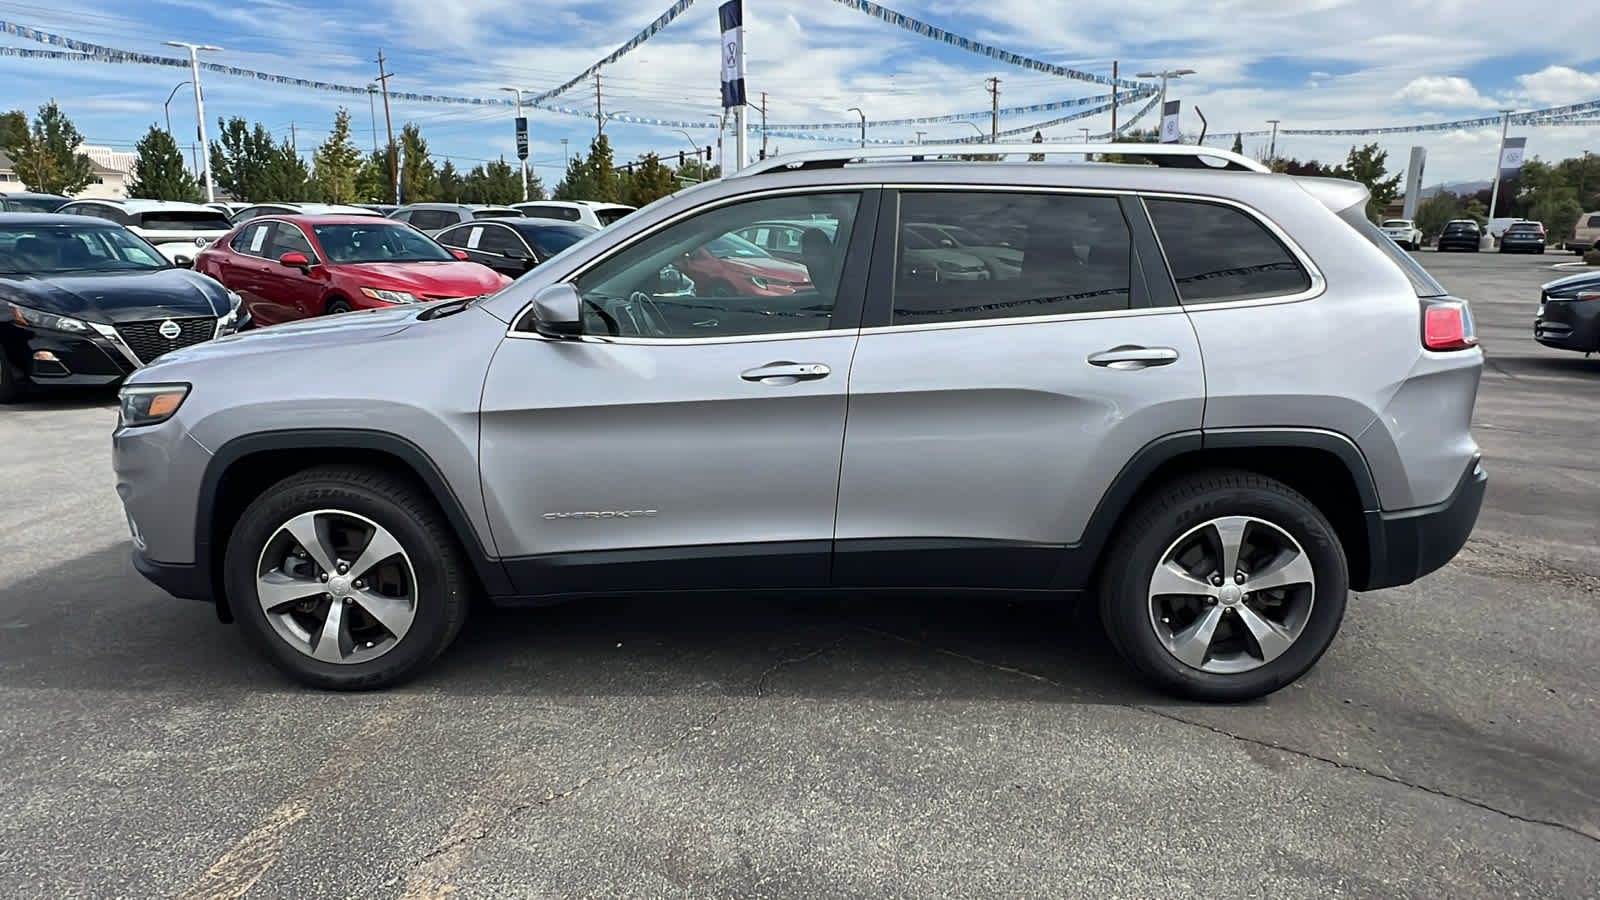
(1132, 357)
(786, 372)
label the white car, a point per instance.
(179, 230)
(589, 212)
(1403, 232)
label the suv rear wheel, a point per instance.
(1225, 586)
(348, 578)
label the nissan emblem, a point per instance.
(169, 330)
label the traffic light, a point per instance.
(680, 159)
(629, 167)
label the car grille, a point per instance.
(147, 343)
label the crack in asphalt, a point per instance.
(433, 886)
(1245, 739)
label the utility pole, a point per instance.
(994, 114)
(1272, 148)
(599, 116)
(388, 124)
(764, 124)
(294, 139)
(200, 110)
(1494, 193)
(1114, 80)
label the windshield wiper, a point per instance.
(448, 308)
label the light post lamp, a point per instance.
(919, 136)
(522, 158)
(1164, 75)
(200, 110)
(167, 106)
(857, 111)
(974, 125)
(566, 158)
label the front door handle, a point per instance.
(786, 372)
(1132, 357)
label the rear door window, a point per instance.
(1219, 253)
(502, 240)
(252, 239)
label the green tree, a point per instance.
(1238, 143)
(13, 129)
(286, 175)
(1477, 209)
(373, 184)
(535, 186)
(1366, 165)
(452, 187)
(650, 182)
(497, 183)
(240, 159)
(419, 181)
(576, 185)
(337, 162)
(602, 167)
(47, 160)
(1435, 211)
(159, 173)
(695, 170)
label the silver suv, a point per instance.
(1211, 398)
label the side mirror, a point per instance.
(558, 311)
(460, 254)
(183, 262)
(294, 259)
(528, 263)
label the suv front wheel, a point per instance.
(1225, 586)
(347, 578)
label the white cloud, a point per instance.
(1448, 91)
(1559, 86)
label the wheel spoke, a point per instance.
(1170, 578)
(380, 547)
(312, 536)
(1290, 568)
(1272, 639)
(275, 590)
(393, 613)
(1191, 644)
(1230, 543)
(330, 646)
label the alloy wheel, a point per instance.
(1231, 595)
(336, 586)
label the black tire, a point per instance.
(442, 584)
(1173, 511)
(10, 380)
(337, 305)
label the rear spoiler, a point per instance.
(1336, 194)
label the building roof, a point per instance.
(104, 160)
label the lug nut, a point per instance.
(1238, 578)
(323, 577)
(1216, 581)
(359, 584)
(1211, 601)
(348, 601)
(344, 567)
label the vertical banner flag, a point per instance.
(522, 137)
(1511, 157)
(1169, 122)
(731, 15)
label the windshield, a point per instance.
(731, 246)
(33, 204)
(1460, 226)
(1526, 227)
(37, 249)
(609, 216)
(183, 220)
(378, 242)
(1397, 223)
(556, 238)
(496, 214)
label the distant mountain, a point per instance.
(1459, 188)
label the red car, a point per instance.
(731, 266)
(294, 267)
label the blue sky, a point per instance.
(1317, 64)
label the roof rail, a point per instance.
(1186, 156)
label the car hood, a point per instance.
(1572, 283)
(453, 278)
(359, 327)
(111, 297)
(776, 269)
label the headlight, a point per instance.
(233, 301)
(150, 404)
(33, 318)
(389, 296)
(758, 281)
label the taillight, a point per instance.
(1588, 295)
(1447, 325)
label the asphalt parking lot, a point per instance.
(1447, 746)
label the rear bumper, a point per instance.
(1408, 544)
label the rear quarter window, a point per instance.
(1219, 253)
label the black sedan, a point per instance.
(513, 246)
(1460, 234)
(1523, 237)
(1569, 314)
(85, 302)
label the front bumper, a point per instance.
(1568, 324)
(1407, 544)
(188, 582)
(47, 357)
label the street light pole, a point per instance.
(975, 127)
(200, 110)
(1272, 148)
(523, 161)
(694, 149)
(167, 106)
(1164, 75)
(372, 113)
(857, 111)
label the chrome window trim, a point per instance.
(1028, 320)
(513, 332)
(690, 342)
(1319, 283)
